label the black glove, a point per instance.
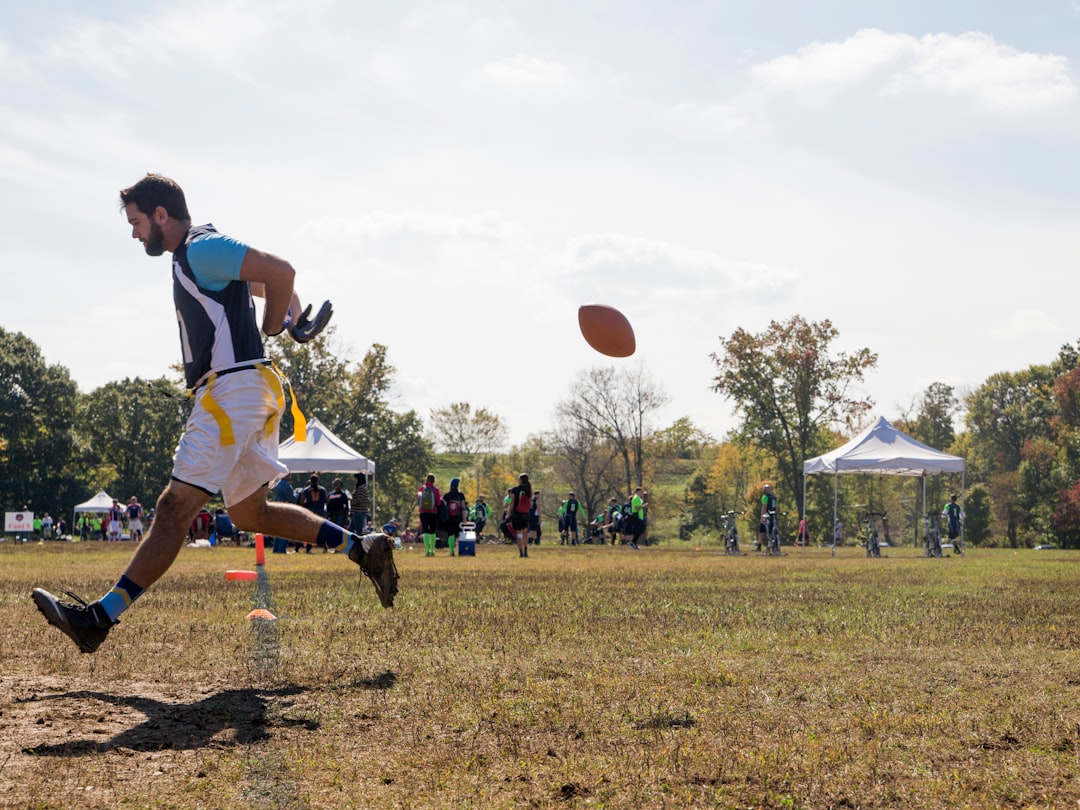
(305, 329)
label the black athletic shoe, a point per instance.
(85, 623)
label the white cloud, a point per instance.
(524, 71)
(998, 79)
(387, 226)
(697, 121)
(224, 34)
(602, 262)
(832, 65)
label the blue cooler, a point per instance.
(466, 544)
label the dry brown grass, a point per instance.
(585, 677)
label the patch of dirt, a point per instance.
(57, 737)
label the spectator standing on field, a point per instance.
(116, 521)
(337, 504)
(428, 501)
(570, 518)
(954, 516)
(518, 513)
(638, 505)
(768, 515)
(46, 527)
(359, 505)
(803, 536)
(535, 526)
(456, 507)
(134, 513)
(313, 498)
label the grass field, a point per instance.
(580, 677)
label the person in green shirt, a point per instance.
(768, 517)
(637, 517)
(479, 514)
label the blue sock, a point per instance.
(331, 535)
(119, 599)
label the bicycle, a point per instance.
(872, 542)
(731, 534)
(772, 534)
(931, 536)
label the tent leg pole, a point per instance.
(835, 509)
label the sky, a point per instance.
(458, 177)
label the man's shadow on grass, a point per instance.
(190, 726)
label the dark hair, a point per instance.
(523, 482)
(154, 190)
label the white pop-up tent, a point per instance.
(322, 452)
(883, 450)
(101, 502)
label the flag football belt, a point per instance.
(273, 375)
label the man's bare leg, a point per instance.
(176, 509)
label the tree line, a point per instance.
(796, 397)
(793, 394)
(58, 446)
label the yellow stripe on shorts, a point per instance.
(223, 422)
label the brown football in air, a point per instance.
(606, 330)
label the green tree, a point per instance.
(788, 390)
(1007, 511)
(1005, 412)
(353, 401)
(1066, 517)
(393, 440)
(37, 407)
(1066, 423)
(459, 429)
(978, 515)
(682, 439)
(128, 433)
(319, 378)
(1039, 482)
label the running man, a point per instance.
(230, 442)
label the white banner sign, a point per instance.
(18, 521)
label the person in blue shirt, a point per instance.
(230, 441)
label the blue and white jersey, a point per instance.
(214, 307)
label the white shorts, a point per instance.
(115, 527)
(230, 442)
(135, 525)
